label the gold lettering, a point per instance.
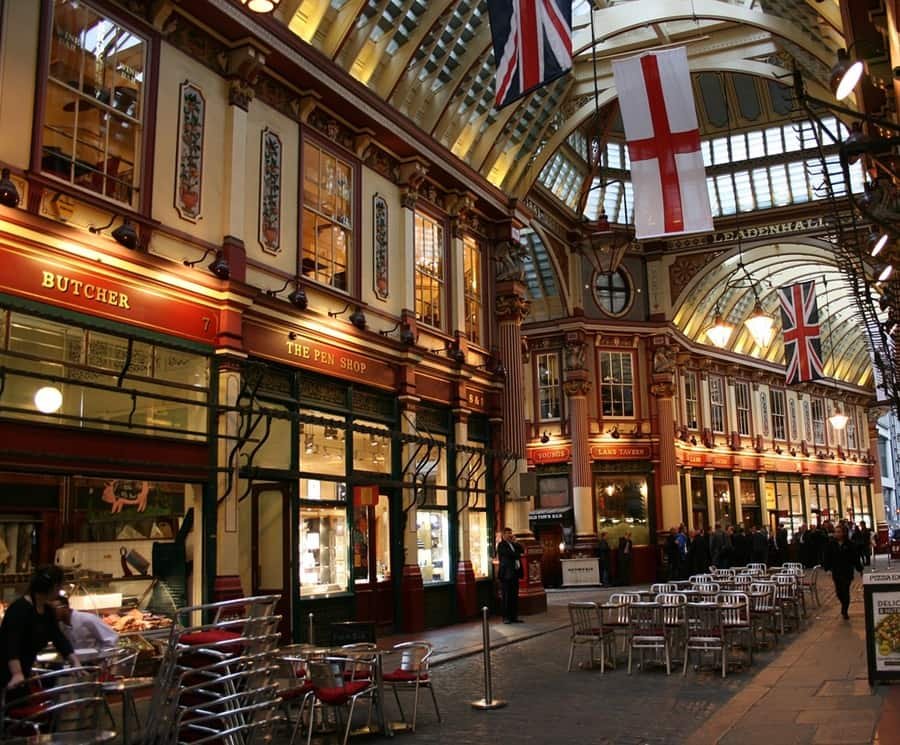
(101, 294)
(62, 283)
(113, 297)
(89, 291)
(48, 280)
(76, 286)
(123, 302)
(80, 288)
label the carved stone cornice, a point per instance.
(663, 390)
(512, 306)
(509, 256)
(577, 387)
(240, 93)
(242, 66)
(460, 207)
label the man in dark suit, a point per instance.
(510, 572)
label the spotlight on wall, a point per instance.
(545, 437)
(261, 6)
(614, 432)
(9, 194)
(886, 273)
(845, 74)
(48, 399)
(357, 317)
(878, 243)
(297, 298)
(218, 266)
(126, 235)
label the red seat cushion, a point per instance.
(211, 636)
(339, 696)
(405, 676)
(289, 694)
(29, 711)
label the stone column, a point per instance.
(689, 518)
(736, 490)
(511, 306)
(763, 507)
(228, 582)
(878, 508)
(577, 386)
(667, 477)
(412, 591)
(710, 498)
(466, 589)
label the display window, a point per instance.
(750, 512)
(479, 539)
(323, 447)
(724, 502)
(66, 374)
(784, 505)
(323, 548)
(621, 501)
(371, 537)
(432, 541)
(372, 450)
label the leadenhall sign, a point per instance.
(754, 232)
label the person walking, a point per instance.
(866, 543)
(603, 551)
(841, 558)
(759, 543)
(625, 548)
(716, 548)
(509, 551)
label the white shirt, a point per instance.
(88, 631)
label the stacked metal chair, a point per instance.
(217, 679)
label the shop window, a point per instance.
(744, 414)
(323, 446)
(716, 403)
(622, 507)
(94, 103)
(473, 289)
(690, 399)
(616, 384)
(750, 512)
(818, 421)
(779, 431)
(699, 504)
(883, 457)
(116, 509)
(784, 505)
(432, 521)
(479, 542)
(327, 217)
(553, 491)
(371, 537)
(111, 382)
(612, 292)
(723, 501)
(548, 382)
(429, 270)
(323, 547)
(372, 449)
(824, 502)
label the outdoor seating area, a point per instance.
(716, 620)
(225, 677)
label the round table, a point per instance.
(126, 688)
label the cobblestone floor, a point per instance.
(548, 705)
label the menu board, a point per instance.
(882, 601)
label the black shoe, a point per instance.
(507, 620)
(518, 620)
(845, 615)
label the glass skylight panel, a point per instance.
(629, 202)
(720, 150)
(592, 205)
(713, 196)
(726, 194)
(857, 177)
(781, 193)
(744, 191)
(799, 184)
(738, 148)
(755, 146)
(613, 155)
(761, 188)
(706, 149)
(774, 143)
(791, 139)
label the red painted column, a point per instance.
(577, 386)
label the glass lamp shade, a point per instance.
(845, 75)
(838, 420)
(261, 6)
(886, 273)
(48, 399)
(879, 244)
(720, 332)
(760, 326)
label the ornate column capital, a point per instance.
(460, 207)
(243, 66)
(509, 256)
(577, 387)
(412, 177)
(663, 390)
(575, 351)
(511, 304)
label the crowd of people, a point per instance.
(689, 552)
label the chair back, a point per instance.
(762, 597)
(663, 587)
(742, 581)
(61, 701)
(645, 619)
(673, 608)
(707, 590)
(585, 618)
(327, 674)
(786, 586)
(618, 615)
(414, 656)
(734, 608)
(792, 565)
(757, 565)
(697, 579)
(727, 573)
(119, 663)
(703, 621)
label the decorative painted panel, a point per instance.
(807, 420)
(764, 412)
(270, 192)
(792, 408)
(189, 155)
(380, 247)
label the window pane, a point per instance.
(371, 451)
(478, 543)
(323, 550)
(781, 194)
(726, 194)
(429, 277)
(472, 289)
(761, 187)
(774, 145)
(432, 538)
(744, 192)
(799, 185)
(622, 507)
(323, 448)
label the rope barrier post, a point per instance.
(488, 702)
(311, 633)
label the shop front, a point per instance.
(105, 389)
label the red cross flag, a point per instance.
(657, 105)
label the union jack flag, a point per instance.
(800, 327)
(532, 44)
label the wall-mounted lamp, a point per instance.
(357, 317)
(297, 298)
(614, 432)
(406, 333)
(125, 235)
(545, 437)
(838, 420)
(9, 194)
(218, 266)
(261, 6)
(452, 350)
(494, 365)
(845, 74)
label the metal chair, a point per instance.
(696, 579)
(742, 582)
(757, 566)
(674, 618)
(412, 674)
(707, 591)
(647, 631)
(615, 613)
(68, 700)
(810, 584)
(792, 565)
(734, 616)
(659, 587)
(331, 689)
(589, 629)
(764, 615)
(704, 633)
(788, 598)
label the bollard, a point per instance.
(488, 702)
(311, 633)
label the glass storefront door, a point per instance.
(371, 552)
(269, 516)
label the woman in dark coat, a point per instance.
(841, 558)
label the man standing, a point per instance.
(866, 543)
(625, 546)
(716, 548)
(509, 573)
(603, 551)
(84, 630)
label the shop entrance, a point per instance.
(550, 536)
(371, 549)
(271, 548)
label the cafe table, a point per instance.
(125, 688)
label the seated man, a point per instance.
(84, 630)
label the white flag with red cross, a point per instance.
(657, 105)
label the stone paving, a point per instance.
(811, 689)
